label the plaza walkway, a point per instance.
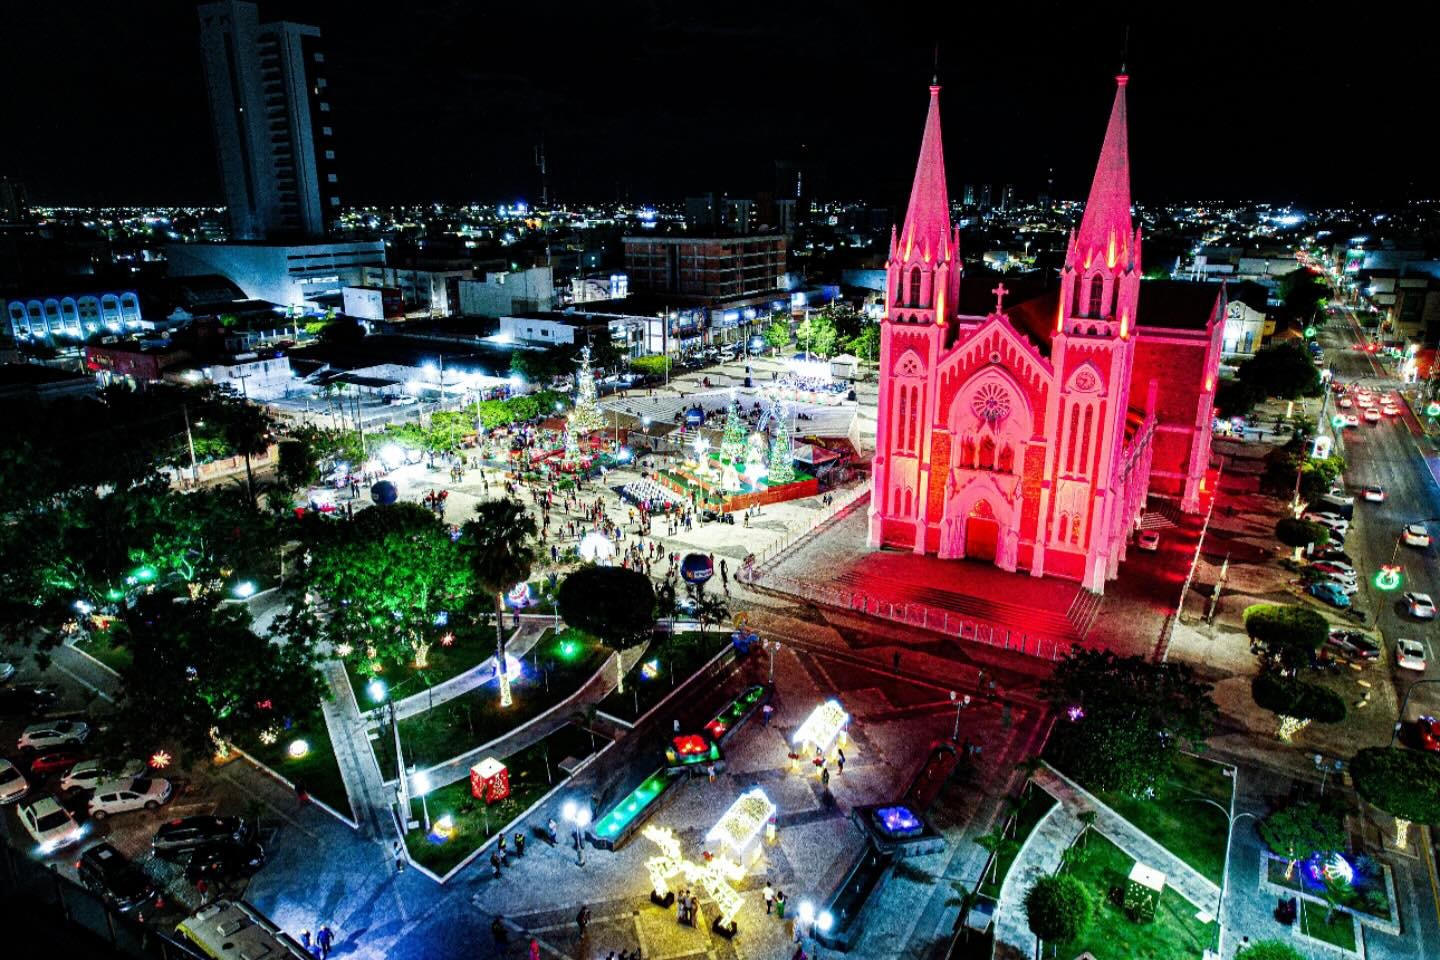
(518, 645)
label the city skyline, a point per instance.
(438, 109)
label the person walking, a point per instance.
(780, 904)
(519, 843)
(325, 937)
(680, 904)
(399, 857)
(554, 830)
(582, 920)
(534, 949)
(765, 713)
(769, 894)
(504, 855)
(839, 760)
(710, 769)
(825, 777)
(305, 939)
(495, 864)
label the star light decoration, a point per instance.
(717, 875)
(160, 760)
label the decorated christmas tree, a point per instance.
(572, 447)
(756, 453)
(732, 445)
(782, 448)
(586, 416)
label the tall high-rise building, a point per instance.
(270, 110)
(969, 195)
(13, 208)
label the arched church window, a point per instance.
(907, 501)
(967, 453)
(987, 453)
(1007, 459)
(1097, 296)
(1064, 527)
(915, 287)
(1093, 330)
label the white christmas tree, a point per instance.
(586, 416)
(782, 448)
(572, 447)
(732, 445)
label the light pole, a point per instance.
(1230, 817)
(1405, 703)
(421, 785)
(960, 704)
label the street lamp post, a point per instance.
(1230, 818)
(960, 704)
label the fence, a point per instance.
(845, 500)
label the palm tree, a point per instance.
(501, 550)
(247, 429)
(667, 604)
(710, 610)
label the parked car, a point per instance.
(1345, 403)
(1372, 415)
(57, 760)
(7, 672)
(1390, 410)
(1337, 497)
(1148, 540)
(1374, 493)
(105, 870)
(132, 793)
(1354, 644)
(185, 834)
(224, 861)
(56, 733)
(1427, 733)
(49, 824)
(26, 700)
(1410, 654)
(1332, 593)
(1420, 606)
(1339, 568)
(87, 773)
(1330, 553)
(1336, 525)
(13, 784)
(1416, 535)
(1347, 587)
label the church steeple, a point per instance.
(1105, 232)
(924, 268)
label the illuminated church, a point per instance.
(1029, 431)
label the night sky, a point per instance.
(445, 99)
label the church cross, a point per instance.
(1000, 292)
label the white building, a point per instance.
(250, 376)
(1244, 330)
(434, 292)
(287, 274)
(517, 291)
(75, 316)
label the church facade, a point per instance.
(1030, 433)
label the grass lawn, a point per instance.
(1174, 817)
(317, 770)
(475, 717)
(1175, 934)
(1037, 804)
(473, 644)
(100, 646)
(1340, 932)
(1366, 895)
(678, 657)
(532, 774)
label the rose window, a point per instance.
(991, 402)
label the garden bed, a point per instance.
(475, 717)
(668, 663)
(100, 645)
(317, 770)
(1338, 932)
(1174, 934)
(533, 772)
(1174, 818)
(473, 645)
(1367, 894)
(1037, 804)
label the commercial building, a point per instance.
(13, 207)
(273, 127)
(252, 375)
(372, 303)
(508, 292)
(560, 328)
(431, 291)
(307, 275)
(73, 315)
(709, 268)
(1246, 322)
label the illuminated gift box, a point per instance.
(823, 728)
(739, 828)
(490, 780)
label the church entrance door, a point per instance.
(982, 532)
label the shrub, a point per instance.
(1269, 950)
(1282, 625)
(652, 366)
(1301, 533)
(1295, 698)
(1058, 909)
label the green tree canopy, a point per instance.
(1303, 292)
(1403, 783)
(1295, 698)
(1058, 908)
(651, 366)
(1282, 370)
(1290, 632)
(817, 334)
(1125, 717)
(777, 334)
(1301, 829)
(1294, 532)
(613, 604)
(197, 667)
(866, 343)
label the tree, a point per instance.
(711, 611)
(1295, 698)
(817, 334)
(1304, 293)
(1282, 370)
(200, 678)
(777, 334)
(667, 604)
(1127, 717)
(500, 551)
(373, 587)
(1058, 909)
(1290, 633)
(247, 430)
(613, 604)
(866, 343)
(299, 463)
(1301, 829)
(1268, 950)
(1403, 783)
(1300, 534)
(998, 846)
(651, 366)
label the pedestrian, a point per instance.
(203, 889)
(504, 857)
(710, 769)
(825, 777)
(534, 949)
(694, 910)
(765, 713)
(780, 904)
(769, 894)
(680, 904)
(495, 864)
(840, 760)
(399, 857)
(519, 843)
(554, 830)
(325, 937)
(677, 726)
(582, 919)
(305, 939)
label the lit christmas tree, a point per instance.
(782, 448)
(732, 445)
(586, 416)
(572, 447)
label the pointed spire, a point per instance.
(926, 234)
(1105, 231)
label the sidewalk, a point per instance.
(369, 797)
(1040, 856)
(482, 673)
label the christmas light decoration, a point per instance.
(782, 448)
(159, 760)
(587, 415)
(732, 445)
(823, 727)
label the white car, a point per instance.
(1346, 403)
(1420, 606)
(1148, 540)
(1416, 535)
(1410, 654)
(404, 401)
(56, 733)
(7, 670)
(1390, 410)
(1349, 420)
(86, 774)
(133, 793)
(1372, 415)
(50, 824)
(12, 782)
(1374, 493)
(1329, 521)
